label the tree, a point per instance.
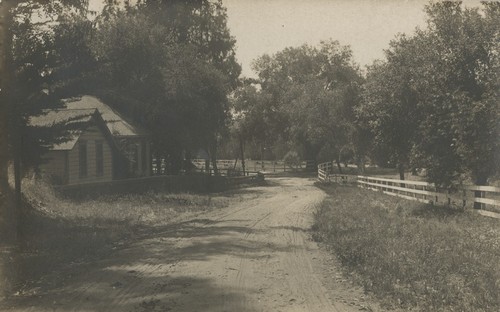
(434, 102)
(171, 65)
(252, 119)
(315, 90)
(26, 68)
(390, 104)
(202, 24)
(460, 94)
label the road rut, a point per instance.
(254, 256)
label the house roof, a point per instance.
(51, 118)
(117, 125)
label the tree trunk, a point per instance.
(242, 154)
(213, 158)
(361, 165)
(176, 160)
(235, 164)
(479, 181)
(17, 178)
(5, 87)
(401, 169)
(262, 157)
(158, 165)
(339, 166)
(8, 217)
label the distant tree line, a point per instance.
(431, 104)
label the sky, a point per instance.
(268, 26)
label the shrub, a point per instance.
(292, 159)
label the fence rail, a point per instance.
(477, 196)
(325, 175)
(228, 172)
(252, 165)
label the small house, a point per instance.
(104, 146)
(133, 143)
(85, 155)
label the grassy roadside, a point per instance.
(410, 255)
(55, 232)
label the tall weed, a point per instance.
(411, 255)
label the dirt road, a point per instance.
(254, 256)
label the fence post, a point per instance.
(478, 194)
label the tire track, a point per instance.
(255, 256)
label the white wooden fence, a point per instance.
(325, 175)
(417, 190)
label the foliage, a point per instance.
(390, 105)
(171, 65)
(313, 90)
(28, 74)
(292, 159)
(433, 103)
(255, 119)
(410, 255)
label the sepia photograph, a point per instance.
(249, 155)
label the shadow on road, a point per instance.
(116, 268)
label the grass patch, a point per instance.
(411, 255)
(55, 232)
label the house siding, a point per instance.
(54, 166)
(90, 135)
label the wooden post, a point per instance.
(483, 195)
(478, 194)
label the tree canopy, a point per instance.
(433, 103)
(313, 92)
(170, 64)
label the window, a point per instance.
(82, 158)
(99, 159)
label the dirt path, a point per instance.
(255, 256)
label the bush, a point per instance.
(292, 159)
(412, 255)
